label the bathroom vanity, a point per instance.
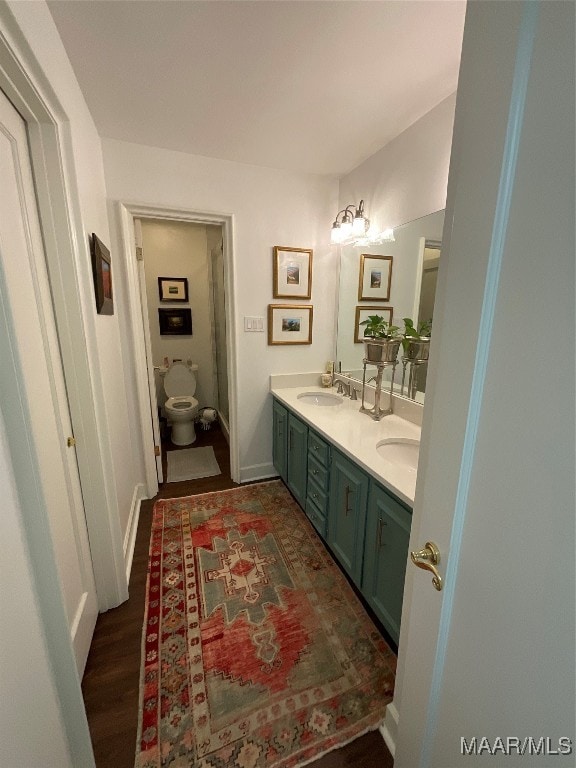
(355, 480)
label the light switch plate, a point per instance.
(254, 324)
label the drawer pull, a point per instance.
(314, 472)
(315, 496)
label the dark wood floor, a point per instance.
(111, 679)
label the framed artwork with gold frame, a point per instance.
(375, 277)
(362, 313)
(292, 272)
(290, 323)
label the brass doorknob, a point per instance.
(427, 559)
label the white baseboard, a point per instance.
(257, 472)
(225, 427)
(132, 527)
(389, 728)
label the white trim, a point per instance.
(52, 155)
(419, 270)
(257, 472)
(389, 728)
(135, 311)
(126, 212)
(132, 527)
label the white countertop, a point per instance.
(356, 435)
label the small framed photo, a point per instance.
(290, 323)
(292, 273)
(173, 288)
(175, 322)
(102, 273)
(363, 313)
(375, 278)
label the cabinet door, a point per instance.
(297, 458)
(347, 514)
(280, 439)
(386, 552)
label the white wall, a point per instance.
(42, 721)
(408, 177)
(178, 249)
(270, 208)
(37, 25)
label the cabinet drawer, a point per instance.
(318, 472)
(319, 448)
(316, 517)
(317, 495)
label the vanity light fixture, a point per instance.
(351, 227)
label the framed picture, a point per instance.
(362, 313)
(290, 323)
(173, 288)
(292, 273)
(175, 322)
(375, 278)
(102, 276)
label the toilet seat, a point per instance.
(181, 407)
(181, 404)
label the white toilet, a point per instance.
(181, 407)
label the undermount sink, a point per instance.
(401, 450)
(320, 398)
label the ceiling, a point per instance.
(312, 85)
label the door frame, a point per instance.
(127, 212)
(67, 255)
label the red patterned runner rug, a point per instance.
(256, 652)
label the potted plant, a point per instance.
(416, 340)
(381, 340)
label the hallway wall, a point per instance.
(38, 27)
(270, 207)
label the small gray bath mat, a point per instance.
(191, 463)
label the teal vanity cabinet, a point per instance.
(347, 515)
(289, 450)
(317, 500)
(280, 439)
(297, 471)
(366, 527)
(385, 555)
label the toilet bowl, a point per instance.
(181, 407)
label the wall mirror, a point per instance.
(415, 256)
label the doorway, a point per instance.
(184, 282)
(149, 235)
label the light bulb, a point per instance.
(359, 226)
(345, 229)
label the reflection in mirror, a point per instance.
(415, 256)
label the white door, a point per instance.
(25, 287)
(148, 348)
(487, 666)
